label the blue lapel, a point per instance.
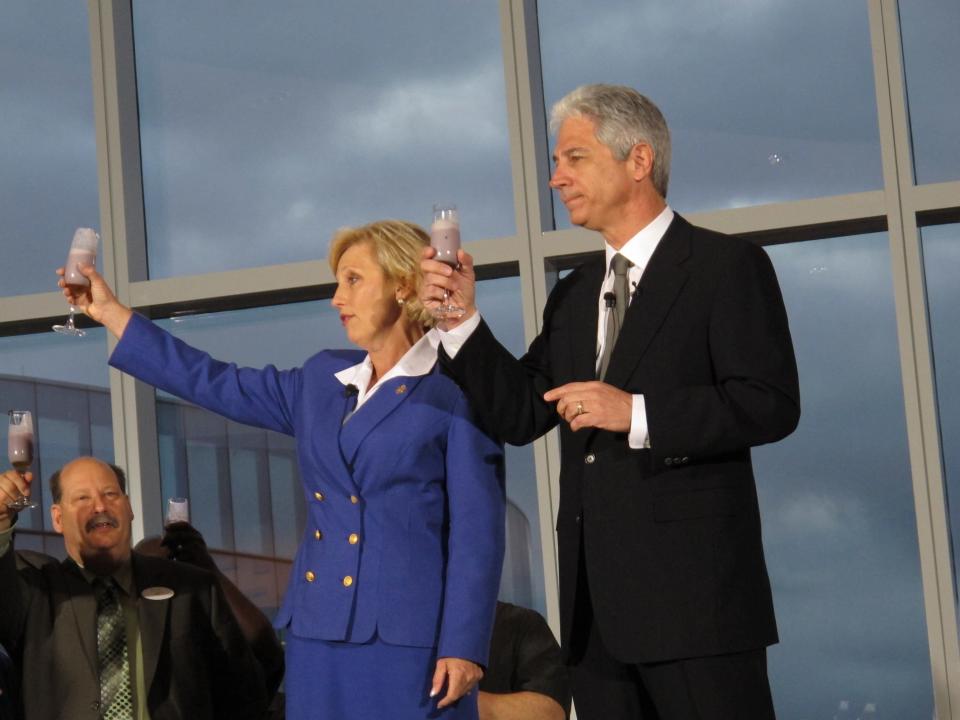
(325, 428)
(384, 401)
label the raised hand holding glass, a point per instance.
(445, 239)
(83, 251)
(20, 451)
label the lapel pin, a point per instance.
(158, 592)
(401, 389)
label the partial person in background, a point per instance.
(8, 685)
(181, 542)
(110, 634)
(391, 599)
(663, 361)
(526, 678)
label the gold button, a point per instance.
(318, 495)
(347, 581)
(310, 576)
(353, 539)
(354, 499)
(318, 535)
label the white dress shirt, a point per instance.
(638, 250)
(418, 360)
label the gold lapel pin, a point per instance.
(401, 389)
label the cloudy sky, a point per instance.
(266, 128)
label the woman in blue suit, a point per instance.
(391, 599)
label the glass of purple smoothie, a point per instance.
(445, 239)
(83, 251)
(20, 451)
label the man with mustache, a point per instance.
(110, 634)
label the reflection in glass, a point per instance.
(766, 101)
(336, 115)
(931, 56)
(243, 483)
(941, 260)
(70, 403)
(48, 160)
(837, 500)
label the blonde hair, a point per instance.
(397, 245)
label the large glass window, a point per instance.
(931, 56)
(266, 127)
(64, 382)
(941, 259)
(48, 160)
(837, 500)
(766, 102)
(243, 483)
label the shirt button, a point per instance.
(310, 576)
(353, 539)
(354, 499)
(347, 581)
(318, 495)
(317, 534)
(590, 459)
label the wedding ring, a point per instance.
(579, 407)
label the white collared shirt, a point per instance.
(638, 250)
(418, 360)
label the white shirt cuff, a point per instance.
(639, 436)
(454, 339)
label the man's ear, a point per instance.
(56, 516)
(642, 160)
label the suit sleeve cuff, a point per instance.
(639, 437)
(453, 340)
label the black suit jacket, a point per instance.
(196, 663)
(671, 534)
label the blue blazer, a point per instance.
(405, 525)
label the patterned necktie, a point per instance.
(116, 696)
(615, 314)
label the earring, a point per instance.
(400, 301)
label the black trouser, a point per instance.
(721, 687)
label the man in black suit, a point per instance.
(663, 363)
(109, 634)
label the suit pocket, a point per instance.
(706, 503)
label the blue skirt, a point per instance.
(365, 681)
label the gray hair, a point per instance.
(623, 118)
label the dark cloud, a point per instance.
(837, 495)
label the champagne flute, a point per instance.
(178, 510)
(20, 451)
(83, 251)
(445, 239)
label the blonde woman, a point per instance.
(391, 599)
